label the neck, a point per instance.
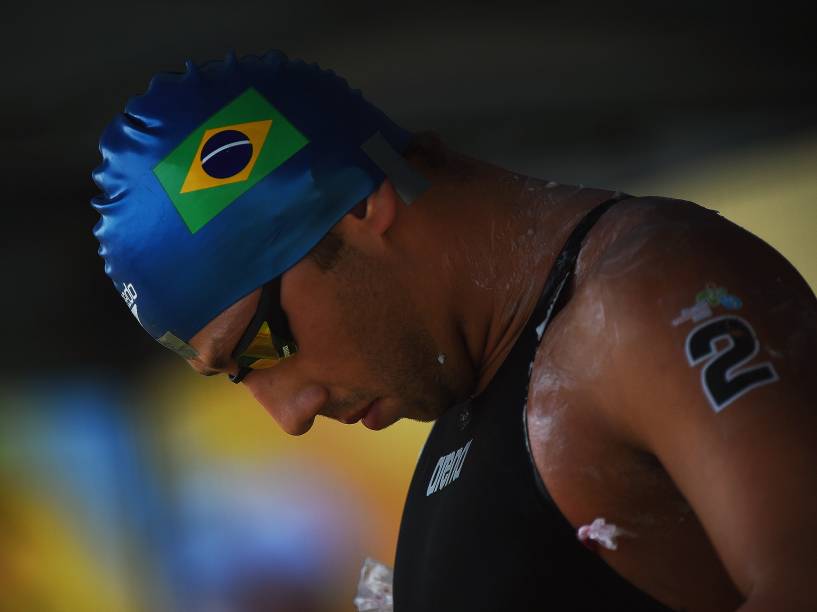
(500, 236)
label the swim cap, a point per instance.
(220, 179)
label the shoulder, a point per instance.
(662, 270)
(637, 228)
(652, 255)
(663, 248)
(691, 340)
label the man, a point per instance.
(634, 369)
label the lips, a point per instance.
(376, 418)
(354, 418)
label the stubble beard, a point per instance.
(399, 353)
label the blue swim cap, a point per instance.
(220, 179)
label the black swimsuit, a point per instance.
(479, 529)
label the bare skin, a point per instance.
(717, 503)
(428, 263)
(719, 506)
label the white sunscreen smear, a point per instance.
(602, 532)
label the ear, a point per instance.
(376, 213)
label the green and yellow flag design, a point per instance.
(225, 156)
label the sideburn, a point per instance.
(327, 253)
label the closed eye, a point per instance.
(218, 365)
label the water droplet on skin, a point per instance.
(441, 358)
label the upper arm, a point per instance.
(725, 402)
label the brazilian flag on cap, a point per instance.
(259, 156)
(225, 156)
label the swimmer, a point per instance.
(582, 352)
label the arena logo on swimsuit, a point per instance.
(448, 469)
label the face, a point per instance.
(360, 340)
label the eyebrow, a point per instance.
(218, 363)
(206, 371)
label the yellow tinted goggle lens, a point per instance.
(265, 350)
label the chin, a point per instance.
(419, 409)
(426, 412)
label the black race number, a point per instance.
(723, 377)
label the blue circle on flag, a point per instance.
(225, 154)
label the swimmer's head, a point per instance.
(219, 179)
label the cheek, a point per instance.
(310, 302)
(332, 347)
(322, 332)
(344, 320)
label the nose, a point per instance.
(294, 411)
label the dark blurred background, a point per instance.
(126, 482)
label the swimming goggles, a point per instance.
(268, 339)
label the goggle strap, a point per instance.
(279, 325)
(257, 320)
